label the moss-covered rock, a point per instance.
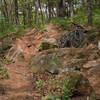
(55, 59)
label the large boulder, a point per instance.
(56, 59)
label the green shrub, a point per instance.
(67, 93)
(43, 28)
(81, 17)
(51, 97)
(20, 30)
(62, 22)
(3, 72)
(96, 17)
(92, 36)
(40, 83)
(54, 60)
(96, 20)
(5, 27)
(40, 47)
(51, 46)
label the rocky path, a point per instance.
(18, 87)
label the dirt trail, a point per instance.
(19, 86)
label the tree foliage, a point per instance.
(29, 13)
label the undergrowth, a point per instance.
(67, 93)
(3, 72)
(51, 97)
(65, 22)
(5, 27)
(80, 17)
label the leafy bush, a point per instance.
(3, 72)
(62, 22)
(40, 83)
(43, 28)
(51, 97)
(67, 93)
(19, 30)
(5, 27)
(80, 17)
(96, 20)
(54, 60)
(92, 36)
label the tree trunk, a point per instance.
(84, 2)
(24, 17)
(61, 8)
(10, 11)
(49, 9)
(71, 9)
(42, 18)
(36, 12)
(6, 11)
(29, 14)
(46, 13)
(89, 2)
(16, 12)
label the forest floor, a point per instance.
(19, 86)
